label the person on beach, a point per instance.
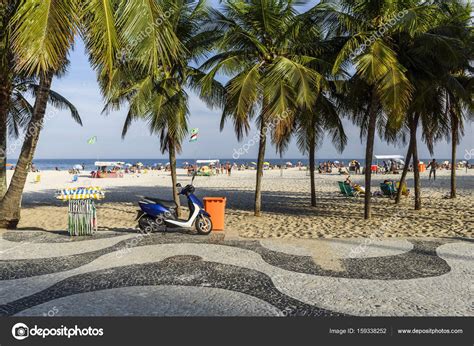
(357, 167)
(356, 187)
(432, 166)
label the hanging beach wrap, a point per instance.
(82, 214)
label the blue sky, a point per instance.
(63, 138)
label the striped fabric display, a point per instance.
(82, 213)
(78, 193)
(82, 217)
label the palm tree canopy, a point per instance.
(163, 100)
(264, 49)
(21, 110)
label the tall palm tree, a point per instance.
(261, 51)
(163, 100)
(440, 96)
(42, 34)
(310, 130)
(373, 30)
(7, 9)
(376, 64)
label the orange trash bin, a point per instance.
(215, 206)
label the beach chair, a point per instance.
(388, 190)
(37, 179)
(350, 192)
(347, 190)
(341, 187)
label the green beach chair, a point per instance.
(347, 190)
(388, 190)
(341, 187)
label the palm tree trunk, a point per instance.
(5, 93)
(454, 142)
(405, 171)
(261, 158)
(6, 59)
(369, 153)
(10, 206)
(312, 150)
(416, 168)
(174, 178)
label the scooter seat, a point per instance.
(163, 202)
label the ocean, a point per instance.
(65, 164)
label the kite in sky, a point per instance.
(194, 135)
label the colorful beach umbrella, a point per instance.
(194, 135)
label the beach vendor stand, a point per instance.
(82, 215)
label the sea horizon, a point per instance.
(63, 164)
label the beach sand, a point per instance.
(286, 204)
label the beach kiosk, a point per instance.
(105, 169)
(82, 215)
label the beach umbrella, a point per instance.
(77, 166)
(139, 164)
(8, 165)
(267, 163)
(253, 163)
(289, 163)
(128, 165)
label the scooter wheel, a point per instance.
(203, 225)
(145, 225)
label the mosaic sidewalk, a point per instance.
(175, 274)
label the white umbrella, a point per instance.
(139, 164)
(128, 165)
(77, 166)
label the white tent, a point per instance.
(108, 164)
(209, 162)
(396, 158)
(389, 157)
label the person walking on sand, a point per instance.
(432, 166)
(357, 167)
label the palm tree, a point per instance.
(163, 101)
(376, 64)
(311, 128)
(41, 39)
(261, 50)
(457, 83)
(20, 112)
(435, 60)
(7, 9)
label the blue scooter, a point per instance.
(156, 214)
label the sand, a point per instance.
(286, 204)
